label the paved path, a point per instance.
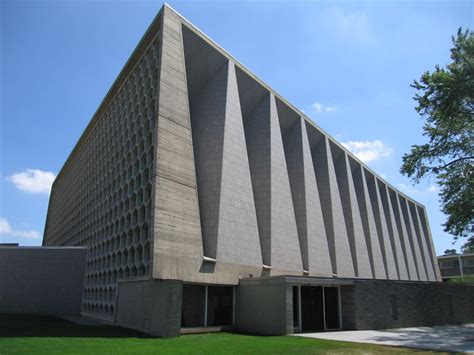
(456, 338)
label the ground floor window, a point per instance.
(207, 305)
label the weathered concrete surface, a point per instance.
(151, 306)
(452, 338)
(41, 280)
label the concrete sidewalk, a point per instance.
(454, 338)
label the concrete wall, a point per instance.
(368, 304)
(46, 281)
(151, 306)
(263, 308)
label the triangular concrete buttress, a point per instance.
(271, 186)
(307, 205)
(333, 215)
(229, 225)
(395, 236)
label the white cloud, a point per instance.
(368, 151)
(6, 229)
(319, 108)
(412, 190)
(33, 180)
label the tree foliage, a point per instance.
(445, 98)
(468, 247)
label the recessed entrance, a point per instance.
(207, 306)
(316, 308)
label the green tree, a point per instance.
(450, 252)
(468, 247)
(445, 99)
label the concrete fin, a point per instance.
(271, 187)
(352, 216)
(425, 252)
(228, 219)
(429, 242)
(413, 239)
(308, 212)
(238, 240)
(402, 230)
(381, 226)
(208, 123)
(177, 228)
(393, 232)
(333, 215)
(368, 221)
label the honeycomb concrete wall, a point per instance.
(102, 198)
(194, 169)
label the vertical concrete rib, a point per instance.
(355, 230)
(368, 221)
(228, 218)
(177, 229)
(429, 242)
(413, 239)
(304, 190)
(394, 234)
(333, 215)
(402, 230)
(271, 186)
(381, 226)
(425, 253)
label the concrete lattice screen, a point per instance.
(103, 198)
(191, 155)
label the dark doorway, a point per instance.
(312, 318)
(220, 305)
(194, 301)
(331, 305)
(205, 306)
(296, 309)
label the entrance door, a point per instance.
(312, 318)
(331, 307)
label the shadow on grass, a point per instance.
(44, 326)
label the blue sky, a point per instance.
(347, 65)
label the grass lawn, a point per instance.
(43, 335)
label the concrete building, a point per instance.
(207, 200)
(456, 266)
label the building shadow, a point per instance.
(49, 326)
(452, 338)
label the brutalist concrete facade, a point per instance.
(194, 170)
